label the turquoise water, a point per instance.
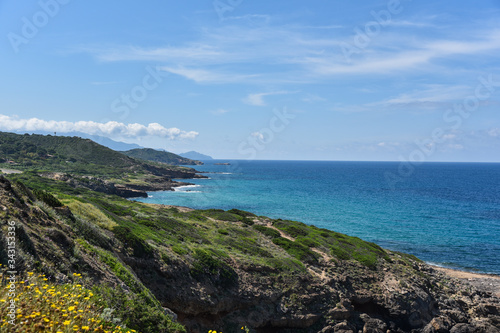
(444, 213)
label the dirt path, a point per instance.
(7, 171)
(282, 234)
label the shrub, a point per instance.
(129, 239)
(297, 250)
(48, 198)
(209, 263)
(179, 249)
(269, 232)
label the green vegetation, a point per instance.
(80, 159)
(48, 198)
(60, 153)
(296, 249)
(341, 246)
(209, 262)
(267, 231)
(138, 246)
(153, 155)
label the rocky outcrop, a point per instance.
(123, 190)
(400, 296)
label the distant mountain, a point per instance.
(196, 156)
(153, 155)
(115, 145)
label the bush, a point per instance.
(269, 232)
(47, 198)
(129, 239)
(241, 213)
(209, 263)
(340, 253)
(297, 250)
(137, 311)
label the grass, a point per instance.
(90, 213)
(211, 263)
(340, 246)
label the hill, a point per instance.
(196, 156)
(84, 163)
(156, 267)
(104, 141)
(153, 155)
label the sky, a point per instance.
(395, 80)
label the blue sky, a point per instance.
(318, 80)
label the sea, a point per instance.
(447, 214)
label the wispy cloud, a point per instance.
(428, 97)
(411, 24)
(407, 59)
(258, 98)
(235, 53)
(193, 51)
(313, 98)
(111, 129)
(206, 76)
(103, 83)
(219, 112)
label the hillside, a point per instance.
(84, 163)
(224, 270)
(153, 155)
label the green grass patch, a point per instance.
(269, 232)
(297, 250)
(209, 263)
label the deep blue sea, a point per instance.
(444, 213)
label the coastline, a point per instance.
(489, 283)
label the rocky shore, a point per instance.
(488, 283)
(125, 190)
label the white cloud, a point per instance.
(205, 76)
(103, 83)
(194, 51)
(220, 111)
(408, 59)
(258, 135)
(305, 53)
(258, 98)
(312, 98)
(412, 24)
(110, 129)
(428, 97)
(494, 132)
